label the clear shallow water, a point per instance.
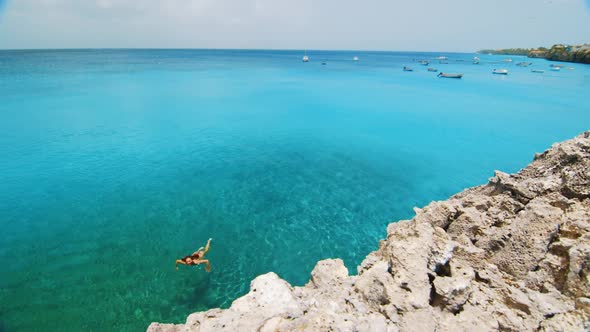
(115, 163)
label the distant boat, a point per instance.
(324, 63)
(449, 75)
(423, 62)
(408, 69)
(524, 64)
(356, 58)
(537, 71)
(443, 62)
(442, 58)
(433, 69)
(556, 68)
(305, 57)
(500, 71)
(476, 60)
(508, 60)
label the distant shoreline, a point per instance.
(559, 52)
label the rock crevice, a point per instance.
(511, 255)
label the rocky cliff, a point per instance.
(558, 52)
(511, 255)
(575, 53)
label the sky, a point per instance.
(397, 25)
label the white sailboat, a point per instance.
(305, 57)
(356, 58)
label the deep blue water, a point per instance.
(113, 163)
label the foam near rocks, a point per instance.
(511, 255)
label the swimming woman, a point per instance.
(197, 258)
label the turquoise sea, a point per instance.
(114, 163)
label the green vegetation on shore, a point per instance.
(558, 52)
(508, 51)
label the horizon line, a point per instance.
(222, 49)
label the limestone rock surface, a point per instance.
(511, 255)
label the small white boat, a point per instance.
(442, 58)
(305, 57)
(423, 62)
(449, 75)
(356, 58)
(433, 70)
(556, 68)
(408, 69)
(524, 64)
(508, 60)
(476, 60)
(537, 71)
(500, 71)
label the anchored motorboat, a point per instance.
(449, 75)
(500, 71)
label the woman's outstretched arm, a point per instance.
(206, 262)
(180, 261)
